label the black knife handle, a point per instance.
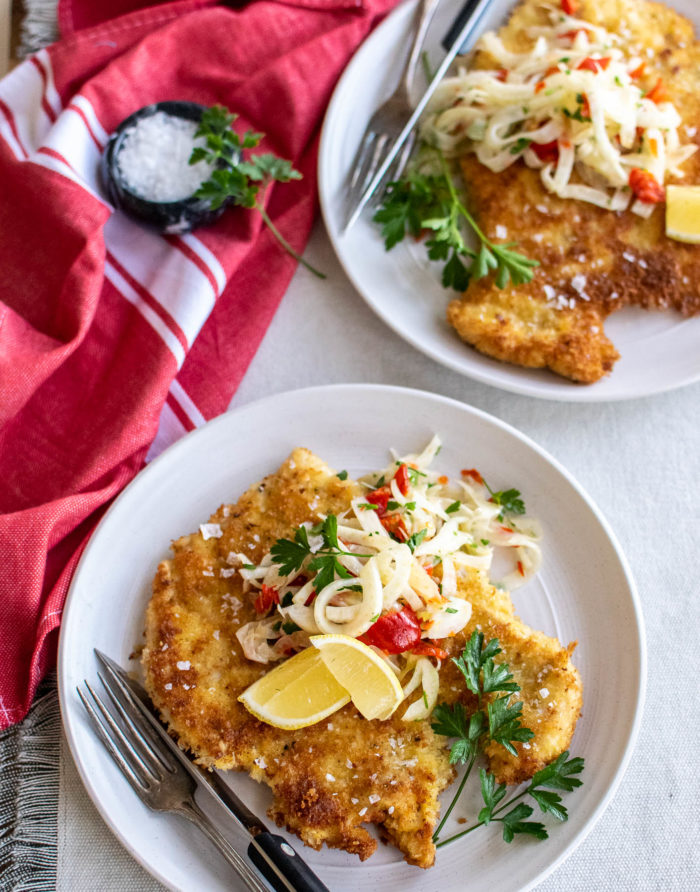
(462, 18)
(268, 851)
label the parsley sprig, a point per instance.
(243, 182)
(291, 554)
(559, 775)
(499, 722)
(421, 201)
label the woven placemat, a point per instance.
(29, 792)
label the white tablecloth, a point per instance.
(639, 460)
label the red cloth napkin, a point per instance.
(115, 341)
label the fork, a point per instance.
(165, 780)
(156, 779)
(387, 121)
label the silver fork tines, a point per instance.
(155, 776)
(386, 124)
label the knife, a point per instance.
(463, 17)
(469, 18)
(274, 857)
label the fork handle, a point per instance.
(424, 15)
(281, 866)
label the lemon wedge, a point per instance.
(370, 681)
(683, 213)
(299, 692)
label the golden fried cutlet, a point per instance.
(331, 778)
(593, 261)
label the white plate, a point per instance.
(659, 350)
(584, 592)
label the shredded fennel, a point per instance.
(407, 555)
(573, 108)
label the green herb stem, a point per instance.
(493, 818)
(454, 800)
(285, 244)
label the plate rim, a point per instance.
(574, 392)
(183, 444)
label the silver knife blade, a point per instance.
(457, 46)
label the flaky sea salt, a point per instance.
(153, 159)
(210, 531)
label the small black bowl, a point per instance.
(165, 216)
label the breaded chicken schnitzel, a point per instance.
(328, 779)
(593, 261)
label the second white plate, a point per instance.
(584, 592)
(659, 350)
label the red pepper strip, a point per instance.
(645, 186)
(393, 523)
(658, 92)
(380, 497)
(310, 600)
(267, 597)
(638, 71)
(402, 479)
(594, 65)
(547, 152)
(569, 7)
(395, 632)
(520, 568)
(554, 69)
(502, 74)
(473, 473)
(429, 649)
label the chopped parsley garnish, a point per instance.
(249, 567)
(415, 539)
(509, 500)
(455, 506)
(342, 475)
(292, 554)
(519, 145)
(450, 610)
(290, 627)
(287, 600)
